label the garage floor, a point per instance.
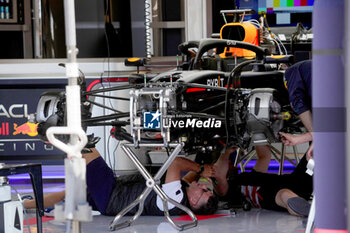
(253, 221)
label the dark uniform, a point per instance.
(298, 82)
(110, 195)
(261, 188)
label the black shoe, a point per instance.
(299, 205)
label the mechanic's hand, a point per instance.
(310, 152)
(209, 171)
(292, 140)
(289, 139)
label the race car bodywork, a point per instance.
(205, 109)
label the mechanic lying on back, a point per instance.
(110, 195)
(268, 191)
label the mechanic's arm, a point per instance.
(310, 152)
(182, 164)
(292, 140)
(306, 118)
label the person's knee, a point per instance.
(282, 197)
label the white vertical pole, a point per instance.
(72, 165)
(37, 29)
(76, 209)
(195, 19)
(72, 71)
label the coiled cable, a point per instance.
(148, 33)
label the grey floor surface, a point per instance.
(253, 221)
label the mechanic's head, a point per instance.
(202, 198)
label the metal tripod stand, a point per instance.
(152, 183)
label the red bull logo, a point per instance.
(27, 128)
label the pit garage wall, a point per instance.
(198, 19)
(21, 84)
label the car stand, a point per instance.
(152, 183)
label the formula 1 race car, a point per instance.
(205, 109)
(226, 91)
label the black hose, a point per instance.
(105, 118)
